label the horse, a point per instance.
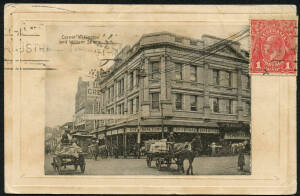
(94, 150)
(103, 151)
(187, 150)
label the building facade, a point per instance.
(86, 102)
(167, 82)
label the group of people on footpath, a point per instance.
(240, 148)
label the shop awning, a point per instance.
(81, 135)
(237, 135)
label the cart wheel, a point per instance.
(158, 164)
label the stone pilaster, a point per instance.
(239, 95)
(165, 88)
(126, 89)
(163, 82)
(144, 89)
(206, 106)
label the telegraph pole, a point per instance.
(162, 121)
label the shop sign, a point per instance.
(241, 135)
(101, 136)
(190, 130)
(152, 129)
(120, 131)
(209, 131)
(131, 130)
(108, 133)
(114, 132)
(179, 129)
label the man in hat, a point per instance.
(171, 141)
(196, 144)
(171, 137)
(65, 138)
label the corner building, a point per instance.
(167, 82)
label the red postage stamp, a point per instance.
(273, 46)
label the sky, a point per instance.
(73, 55)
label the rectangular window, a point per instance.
(155, 100)
(193, 42)
(131, 80)
(193, 72)
(248, 82)
(215, 105)
(131, 106)
(155, 71)
(112, 111)
(178, 71)
(137, 80)
(216, 76)
(193, 100)
(137, 104)
(178, 39)
(228, 78)
(119, 109)
(247, 108)
(230, 107)
(122, 108)
(178, 102)
(111, 93)
(121, 87)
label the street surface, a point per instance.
(226, 165)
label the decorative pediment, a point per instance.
(228, 50)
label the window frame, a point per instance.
(248, 82)
(137, 103)
(131, 80)
(218, 105)
(156, 101)
(193, 108)
(194, 68)
(180, 101)
(180, 71)
(217, 81)
(155, 75)
(131, 106)
(229, 84)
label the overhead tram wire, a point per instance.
(216, 44)
(199, 58)
(225, 41)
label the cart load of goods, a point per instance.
(181, 147)
(73, 150)
(148, 144)
(159, 146)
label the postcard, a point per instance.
(139, 99)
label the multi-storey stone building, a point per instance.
(167, 82)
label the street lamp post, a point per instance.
(162, 121)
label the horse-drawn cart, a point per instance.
(68, 155)
(162, 152)
(167, 153)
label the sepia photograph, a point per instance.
(148, 100)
